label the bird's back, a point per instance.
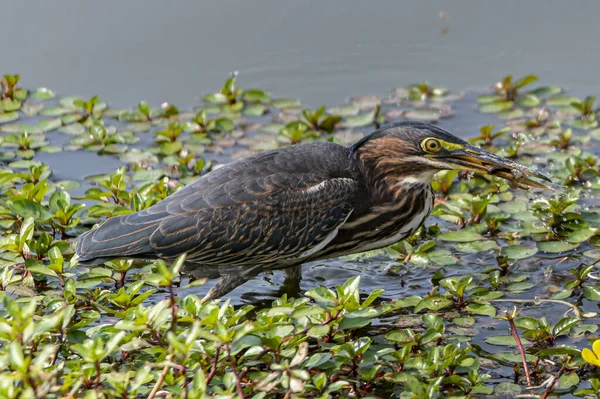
(256, 209)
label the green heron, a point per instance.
(281, 208)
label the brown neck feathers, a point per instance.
(384, 164)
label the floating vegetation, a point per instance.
(497, 296)
(421, 92)
(586, 117)
(509, 92)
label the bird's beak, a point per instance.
(475, 159)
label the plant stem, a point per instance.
(185, 383)
(58, 348)
(173, 308)
(552, 383)
(257, 357)
(161, 379)
(98, 374)
(213, 369)
(238, 382)
(33, 385)
(513, 330)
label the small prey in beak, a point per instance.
(475, 159)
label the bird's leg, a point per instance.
(291, 284)
(293, 273)
(226, 284)
(231, 277)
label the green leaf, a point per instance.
(344, 110)
(460, 236)
(28, 208)
(583, 329)
(20, 128)
(8, 105)
(8, 117)
(423, 114)
(481, 309)
(522, 286)
(591, 293)
(256, 96)
(559, 351)
(433, 302)
(494, 107)
(525, 81)
(556, 246)
(488, 98)
(323, 296)
(255, 110)
(504, 340)
(329, 123)
(519, 252)
(527, 323)
(178, 264)
(546, 91)
(567, 381)
(581, 235)
(564, 325)
(350, 323)
(171, 148)
(283, 103)
(562, 101)
(215, 98)
(16, 356)
(528, 100)
(477, 246)
(318, 331)
(42, 94)
(41, 270)
(430, 335)
(112, 343)
(359, 120)
(562, 294)
(317, 359)
(49, 124)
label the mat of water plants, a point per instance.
(496, 296)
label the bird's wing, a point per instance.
(267, 209)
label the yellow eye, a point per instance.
(431, 145)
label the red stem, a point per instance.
(513, 330)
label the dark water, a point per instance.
(320, 52)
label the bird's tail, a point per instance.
(115, 239)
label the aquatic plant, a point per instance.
(487, 135)
(509, 93)
(424, 91)
(297, 132)
(586, 117)
(9, 90)
(496, 292)
(319, 121)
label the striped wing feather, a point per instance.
(270, 208)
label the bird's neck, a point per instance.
(387, 180)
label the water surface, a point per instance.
(321, 52)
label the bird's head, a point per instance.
(416, 150)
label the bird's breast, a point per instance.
(383, 225)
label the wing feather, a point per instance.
(268, 208)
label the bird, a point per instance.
(284, 207)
